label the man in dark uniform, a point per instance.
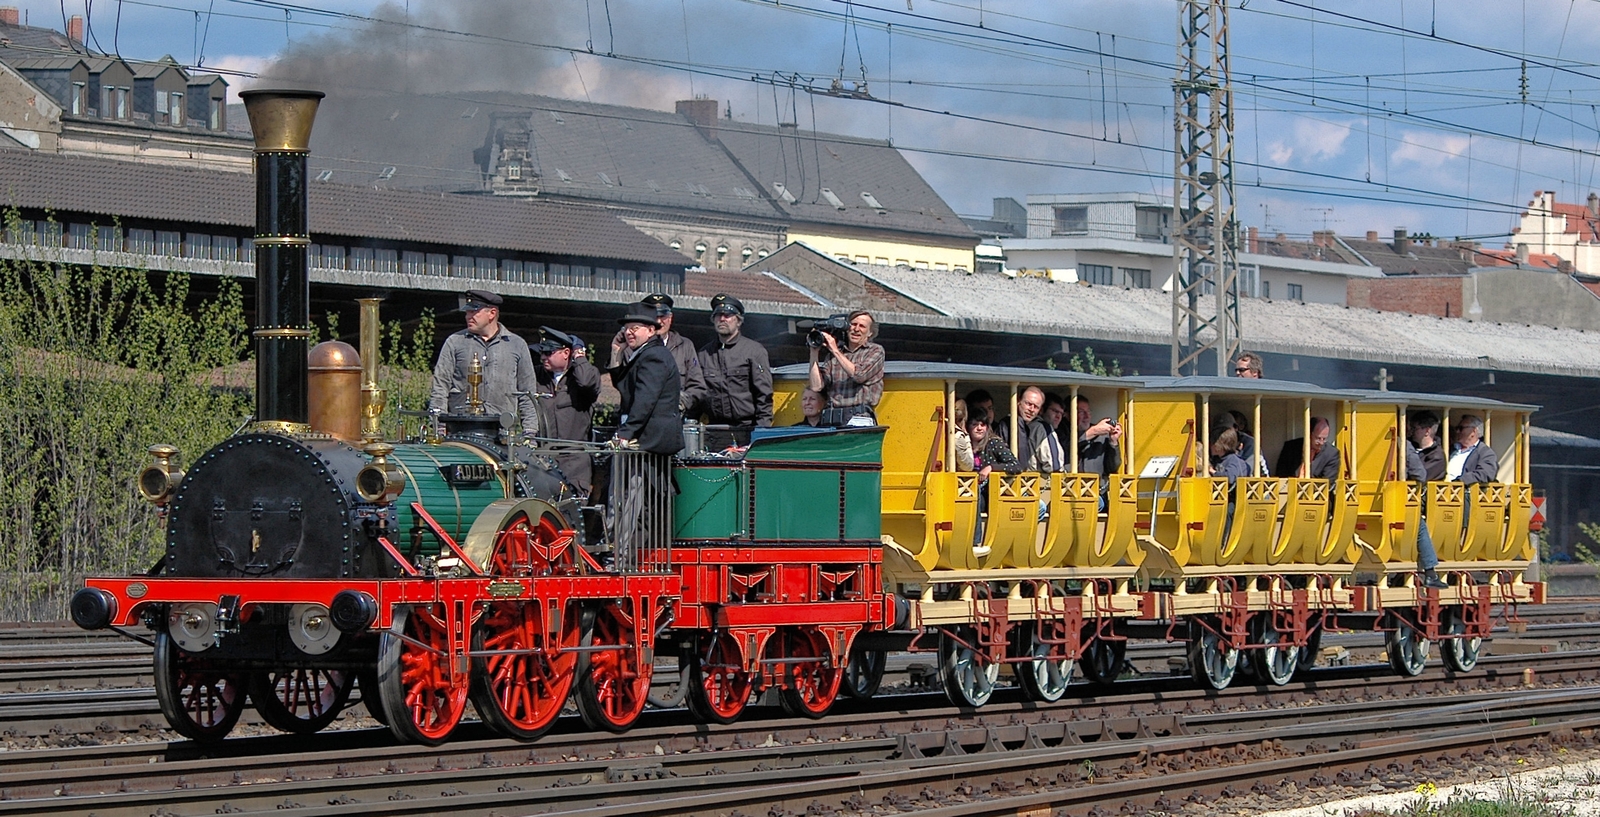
(568, 387)
(693, 379)
(738, 378)
(647, 380)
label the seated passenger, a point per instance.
(964, 461)
(1423, 429)
(1471, 461)
(1325, 462)
(810, 409)
(1055, 414)
(1225, 459)
(1040, 450)
(979, 401)
(988, 450)
(1427, 555)
(1247, 444)
(1098, 451)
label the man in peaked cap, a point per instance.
(647, 381)
(738, 377)
(694, 380)
(508, 371)
(569, 385)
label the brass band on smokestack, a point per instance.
(281, 122)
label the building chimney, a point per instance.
(702, 112)
(10, 16)
(1322, 238)
(1254, 241)
(1402, 244)
(1565, 266)
(1522, 255)
(75, 29)
(1594, 199)
(1372, 235)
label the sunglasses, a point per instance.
(1241, 369)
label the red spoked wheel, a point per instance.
(719, 686)
(300, 700)
(613, 683)
(422, 696)
(200, 704)
(521, 538)
(521, 692)
(811, 675)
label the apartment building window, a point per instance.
(1097, 274)
(1266, 289)
(50, 234)
(1296, 292)
(142, 242)
(511, 270)
(582, 276)
(1249, 281)
(224, 248)
(161, 103)
(113, 102)
(462, 266)
(1150, 223)
(413, 263)
(385, 261)
(489, 268)
(169, 243)
(80, 98)
(560, 275)
(651, 281)
(80, 236)
(1136, 278)
(175, 116)
(361, 259)
(627, 279)
(108, 239)
(438, 264)
(1071, 221)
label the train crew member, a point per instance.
(1248, 364)
(1041, 449)
(1427, 555)
(810, 409)
(851, 379)
(683, 354)
(964, 460)
(1471, 461)
(569, 385)
(738, 377)
(1325, 462)
(508, 370)
(1423, 429)
(647, 380)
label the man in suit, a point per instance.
(1325, 460)
(1471, 461)
(647, 379)
(691, 378)
(568, 387)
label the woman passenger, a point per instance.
(1225, 459)
(964, 460)
(988, 450)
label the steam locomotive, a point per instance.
(306, 555)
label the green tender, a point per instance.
(454, 507)
(798, 496)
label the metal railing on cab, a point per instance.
(639, 511)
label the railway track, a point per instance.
(885, 755)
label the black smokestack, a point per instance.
(281, 122)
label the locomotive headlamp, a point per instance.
(160, 479)
(380, 480)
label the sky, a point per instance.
(1353, 116)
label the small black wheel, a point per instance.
(1102, 660)
(1460, 654)
(199, 703)
(1408, 650)
(300, 700)
(864, 673)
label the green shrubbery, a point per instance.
(96, 364)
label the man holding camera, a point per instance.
(738, 378)
(851, 379)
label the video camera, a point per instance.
(835, 325)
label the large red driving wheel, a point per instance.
(421, 695)
(613, 683)
(200, 704)
(300, 700)
(520, 692)
(812, 674)
(719, 687)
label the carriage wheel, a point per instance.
(1275, 662)
(519, 538)
(520, 694)
(372, 695)
(1046, 677)
(968, 678)
(300, 700)
(1460, 654)
(613, 685)
(719, 688)
(812, 682)
(1313, 648)
(419, 693)
(1408, 650)
(1211, 661)
(200, 704)
(863, 673)
(1102, 659)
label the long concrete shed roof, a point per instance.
(997, 303)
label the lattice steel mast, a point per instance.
(1205, 287)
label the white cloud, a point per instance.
(1320, 139)
(1429, 149)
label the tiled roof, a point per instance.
(71, 184)
(744, 286)
(39, 41)
(629, 156)
(1580, 221)
(1508, 258)
(1418, 259)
